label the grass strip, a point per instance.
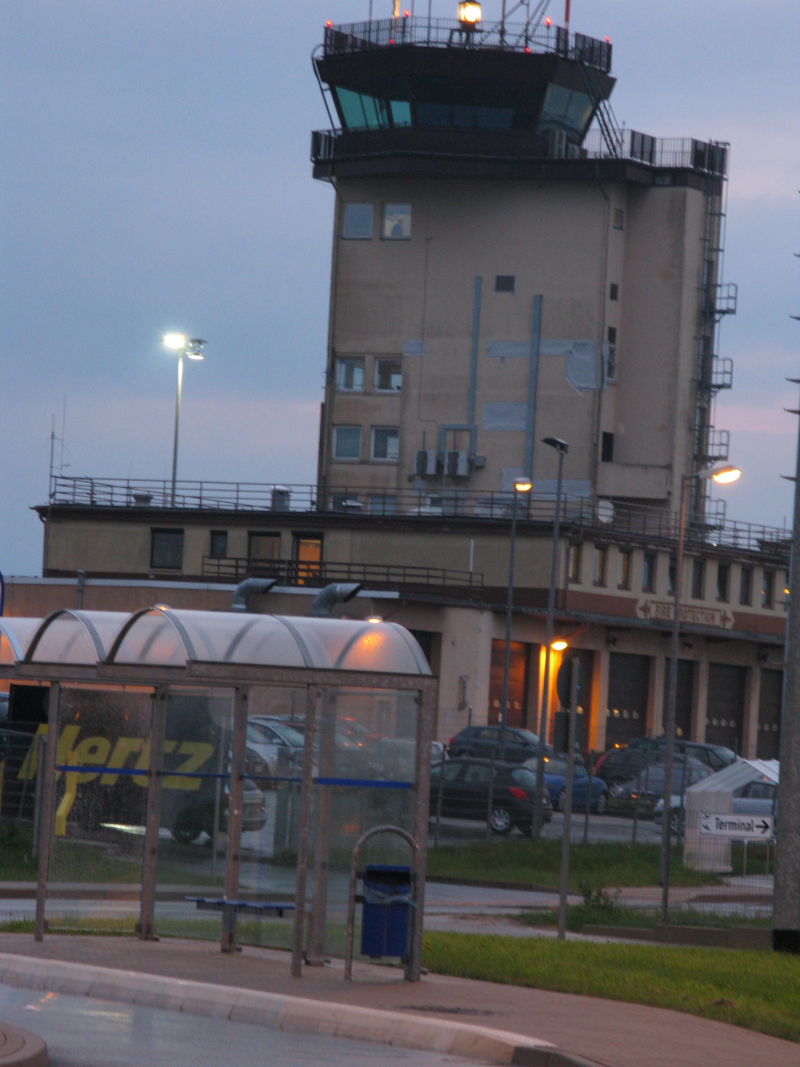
(756, 990)
(605, 864)
(581, 915)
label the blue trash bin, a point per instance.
(385, 919)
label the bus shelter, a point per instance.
(192, 755)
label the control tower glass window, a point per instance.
(360, 111)
(396, 222)
(566, 109)
(357, 222)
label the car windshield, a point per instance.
(684, 772)
(266, 732)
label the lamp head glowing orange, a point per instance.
(725, 475)
(469, 13)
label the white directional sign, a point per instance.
(757, 827)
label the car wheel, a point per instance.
(500, 820)
(188, 826)
(558, 803)
(601, 805)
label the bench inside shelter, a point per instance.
(231, 908)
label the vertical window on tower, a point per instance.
(166, 549)
(350, 374)
(307, 552)
(606, 447)
(600, 564)
(357, 222)
(723, 581)
(698, 579)
(347, 442)
(625, 560)
(396, 222)
(574, 562)
(619, 219)
(768, 589)
(613, 291)
(649, 572)
(218, 546)
(746, 585)
(388, 375)
(262, 545)
(386, 443)
(611, 353)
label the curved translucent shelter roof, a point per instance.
(159, 636)
(15, 637)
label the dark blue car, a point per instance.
(583, 787)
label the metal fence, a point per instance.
(579, 513)
(444, 33)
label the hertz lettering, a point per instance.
(104, 757)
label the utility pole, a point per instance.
(786, 915)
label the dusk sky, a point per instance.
(156, 177)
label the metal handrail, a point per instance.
(445, 33)
(580, 515)
(297, 572)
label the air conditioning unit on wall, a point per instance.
(426, 461)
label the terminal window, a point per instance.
(396, 222)
(357, 222)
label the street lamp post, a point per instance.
(722, 476)
(562, 448)
(521, 485)
(187, 348)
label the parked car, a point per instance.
(640, 794)
(621, 764)
(584, 787)
(274, 748)
(716, 756)
(460, 790)
(752, 798)
(516, 746)
(197, 816)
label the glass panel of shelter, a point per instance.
(365, 761)
(362, 764)
(98, 828)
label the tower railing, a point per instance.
(444, 33)
(683, 153)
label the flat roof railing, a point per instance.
(450, 502)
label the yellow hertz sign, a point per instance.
(106, 758)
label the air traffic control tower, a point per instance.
(508, 264)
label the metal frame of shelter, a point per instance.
(156, 650)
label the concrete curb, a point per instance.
(280, 1011)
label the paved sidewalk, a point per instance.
(490, 1022)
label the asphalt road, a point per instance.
(85, 1032)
